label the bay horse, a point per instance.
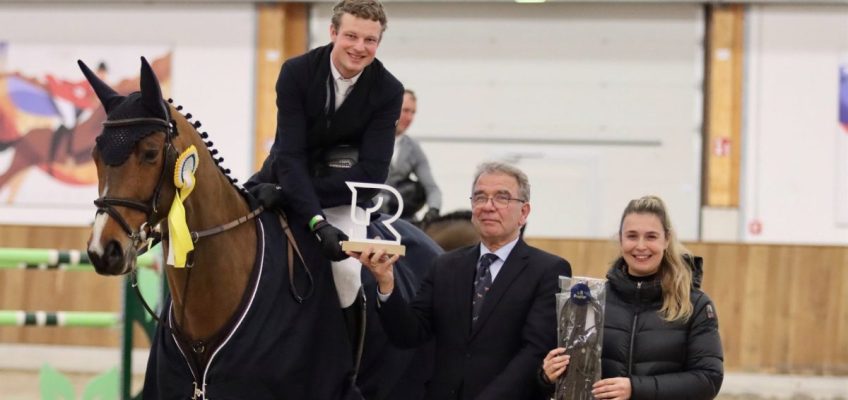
(245, 318)
(451, 231)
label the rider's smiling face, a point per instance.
(355, 44)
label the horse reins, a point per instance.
(293, 248)
(195, 237)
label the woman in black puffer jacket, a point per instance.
(660, 334)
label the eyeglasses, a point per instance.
(500, 200)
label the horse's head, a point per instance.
(135, 156)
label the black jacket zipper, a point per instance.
(633, 333)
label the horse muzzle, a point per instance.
(112, 259)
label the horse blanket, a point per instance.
(277, 348)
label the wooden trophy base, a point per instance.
(391, 248)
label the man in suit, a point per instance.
(409, 159)
(490, 307)
(337, 107)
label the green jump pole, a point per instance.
(134, 312)
(70, 260)
(86, 319)
(75, 260)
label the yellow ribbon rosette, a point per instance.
(179, 237)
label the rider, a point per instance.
(337, 107)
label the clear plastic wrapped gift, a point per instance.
(580, 323)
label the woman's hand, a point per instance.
(381, 266)
(612, 388)
(555, 363)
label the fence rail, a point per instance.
(85, 319)
(17, 287)
(49, 259)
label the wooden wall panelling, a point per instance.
(755, 298)
(726, 295)
(44, 236)
(838, 358)
(779, 311)
(781, 308)
(587, 257)
(812, 336)
(834, 282)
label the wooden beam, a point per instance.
(723, 111)
(281, 34)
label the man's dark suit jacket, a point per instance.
(499, 357)
(308, 125)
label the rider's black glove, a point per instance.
(270, 195)
(330, 238)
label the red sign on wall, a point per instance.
(721, 147)
(755, 227)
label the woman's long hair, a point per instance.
(675, 274)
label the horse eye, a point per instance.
(150, 155)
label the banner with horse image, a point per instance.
(49, 119)
(842, 145)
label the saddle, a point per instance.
(334, 160)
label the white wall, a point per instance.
(212, 74)
(795, 154)
(599, 104)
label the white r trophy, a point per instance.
(359, 245)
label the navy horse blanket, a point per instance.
(279, 348)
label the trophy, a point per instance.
(391, 247)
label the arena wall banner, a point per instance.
(841, 133)
(49, 118)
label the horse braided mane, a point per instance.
(213, 152)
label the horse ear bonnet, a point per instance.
(117, 142)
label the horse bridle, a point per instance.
(150, 208)
(148, 229)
